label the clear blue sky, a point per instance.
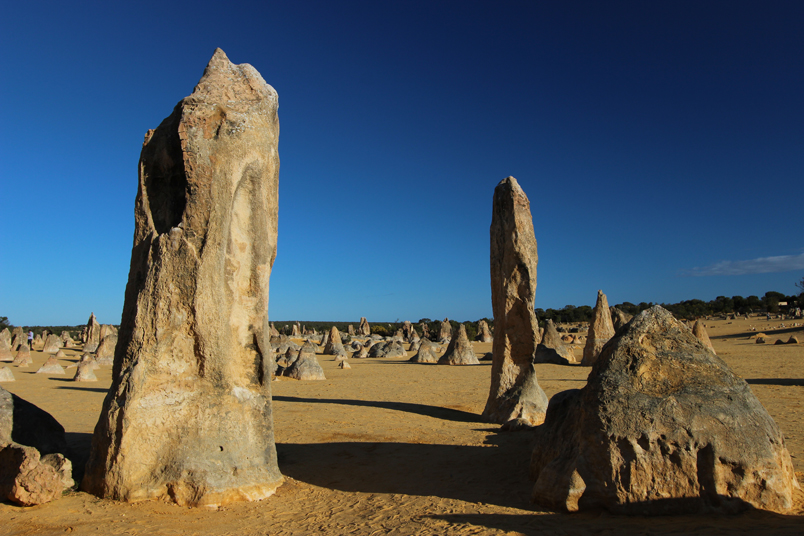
(661, 146)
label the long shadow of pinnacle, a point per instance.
(436, 412)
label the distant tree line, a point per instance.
(687, 309)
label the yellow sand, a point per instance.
(389, 447)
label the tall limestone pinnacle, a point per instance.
(188, 415)
(514, 394)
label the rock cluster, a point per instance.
(663, 426)
(188, 415)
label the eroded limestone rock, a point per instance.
(552, 349)
(459, 351)
(483, 332)
(188, 415)
(601, 330)
(514, 392)
(700, 332)
(663, 426)
(425, 353)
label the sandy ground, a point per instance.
(390, 447)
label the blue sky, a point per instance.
(661, 147)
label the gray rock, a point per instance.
(425, 353)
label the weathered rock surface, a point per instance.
(445, 333)
(425, 353)
(514, 392)
(601, 330)
(619, 318)
(663, 426)
(52, 344)
(700, 333)
(93, 334)
(28, 479)
(6, 375)
(5, 355)
(85, 371)
(552, 349)
(387, 349)
(306, 367)
(188, 415)
(5, 339)
(51, 366)
(104, 355)
(23, 357)
(344, 365)
(364, 328)
(334, 345)
(459, 351)
(483, 332)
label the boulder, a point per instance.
(26, 478)
(663, 426)
(601, 330)
(514, 394)
(188, 415)
(6, 355)
(296, 330)
(6, 375)
(51, 366)
(792, 340)
(306, 367)
(425, 353)
(351, 330)
(459, 351)
(552, 348)
(387, 349)
(425, 330)
(483, 332)
(344, 365)
(760, 340)
(361, 353)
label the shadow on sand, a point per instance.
(493, 474)
(600, 522)
(776, 381)
(436, 412)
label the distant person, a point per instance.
(30, 339)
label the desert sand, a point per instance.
(390, 447)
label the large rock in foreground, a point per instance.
(188, 415)
(663, 426)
